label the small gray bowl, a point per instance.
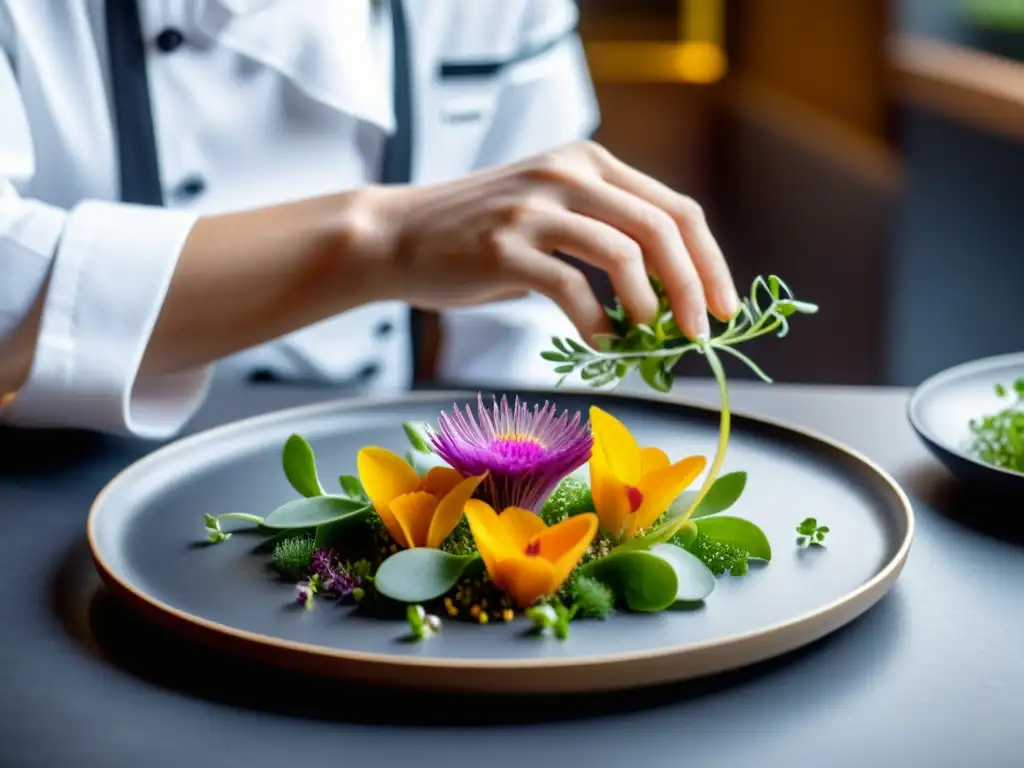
(942, 406)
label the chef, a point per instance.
(282, 188)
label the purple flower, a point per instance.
(336, 581)
(525, 452)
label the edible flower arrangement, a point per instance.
(518, 509)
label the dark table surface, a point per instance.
(930, 677)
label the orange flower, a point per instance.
(524, 558)
(418, 512)
(632, 486)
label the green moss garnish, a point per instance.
(571, 497)
(292, 556)
(718, 556)
(460, 540)
(592, 598)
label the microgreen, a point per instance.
(591, 598)
(421, 624)
(655, 349)
(554, 616)
(737, 532)
(811, 534)
(216, 534)
(314, 511)
(998, 439)
(292, 556)
(421, 574)
(300, 466)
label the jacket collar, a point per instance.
(337, 52)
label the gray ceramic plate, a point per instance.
(146, 533)
(941, 408)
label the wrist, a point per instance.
(356, 265)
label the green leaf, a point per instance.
(352, 487)
(738, 532)
(725, 492)
(773, 286)
(645, 582)
(567, 368)
(299, 464)
(694, 580)
(416, 440)
(1000, 390)
(554, 357)
(420, 574)
(315, 511)
(655, 375)
(801, 540)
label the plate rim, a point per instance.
(953, 373)
(256, 643)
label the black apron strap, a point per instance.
(136, 136)
(396, 166)
(133, 116)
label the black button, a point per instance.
(384, 329)
(262, 376)
(169, 40)
(368, 372)
(191, 186)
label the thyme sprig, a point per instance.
(655, 349)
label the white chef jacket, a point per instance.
(255, 102)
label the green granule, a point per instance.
(718, 556)
(460, 540)
(292, 556)
(571, 497)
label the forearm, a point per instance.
(245, 278)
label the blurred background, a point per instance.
(869, 152)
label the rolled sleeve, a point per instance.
(110, 273)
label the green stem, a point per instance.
(242, 516)
(723, 444)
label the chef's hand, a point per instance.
(491, 235)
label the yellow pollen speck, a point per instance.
(515, 437)
(482, 618)
(508, 614)
(475, 611)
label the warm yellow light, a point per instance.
(656, 62)
(698, 56)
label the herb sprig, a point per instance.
(655, 349)
(998, 439)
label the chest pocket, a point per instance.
(464, 103)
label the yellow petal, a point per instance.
(449, 511)
(609, 494)
(652, 459)
(520, 526)
(525, 579)
(563, 545)
(385, 476)
(488, 535)
(413, 512)
(440, 481)
(661, 487)
(611, 504)
(620, 449)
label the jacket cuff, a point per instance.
(110, 275)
